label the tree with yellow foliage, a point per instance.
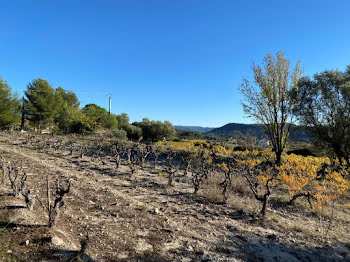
(267, 99)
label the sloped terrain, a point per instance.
(139, 218)
(298, 133)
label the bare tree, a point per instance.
(3, 170)
(171, 169)
(21, 189)
(228, 170)
(251, 174)
(29, 197)
(143, 153)
(120, 151)
(186, 161)
(156, 153)
(81, 253)
(201, 169)
(199, 173)
(13, 173)
(71, 147)
(54, 210)
(132, 159)
(83, 149)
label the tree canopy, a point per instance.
(267, 100)
(41, 105)
(153, 131)
(9, 106)
(66, 98)
(67, 112)
(100, 116)
(322, 104)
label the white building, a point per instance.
(264, 143)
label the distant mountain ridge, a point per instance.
(297, 132)
(232, 128)
(195, 128)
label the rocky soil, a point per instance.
(139, 218)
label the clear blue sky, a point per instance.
(177, 60)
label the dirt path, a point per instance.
(138, 218)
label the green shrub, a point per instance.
(100, 116)
(134, 133)
(76, 122)
(120, 134)
(153, 131)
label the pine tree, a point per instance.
(68, 105)
(9, 106)
(41, 104)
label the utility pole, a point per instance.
(110, 103)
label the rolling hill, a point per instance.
(297, 132)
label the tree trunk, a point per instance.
(263, 210)
(22, 121)
(278, 157)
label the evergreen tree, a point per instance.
(100, 116)
(66, 98)
(9, 106)
(41, 105)
(67, 105)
